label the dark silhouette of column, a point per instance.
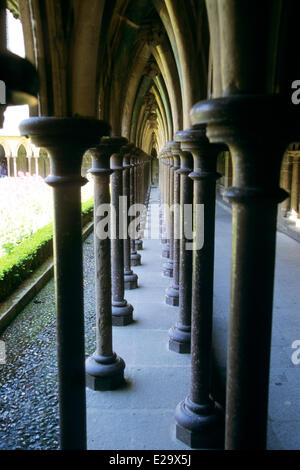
(66, 139)
(180, 334)
(256, 129)
(121, 309)
(130, 278)
(104, 369)
(172, 292)
(200, 422)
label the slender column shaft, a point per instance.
(117, 242)
(104, 369)
(248, 124)
(169, 265)
(180, 334)
(130, 278)
(66, 140)
(199, 422)
(166, 241)
(204, 176)
(102, 267)
(142, 200)
(121, 310)
(135, 257)
(69, 302)
(172, 293)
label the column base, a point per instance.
(180, 339)
(104, 373)
(172, 296)
(168, 268)
(135, 259)
(139, 244)
(200, 427)
(121, 313)
(130, 280)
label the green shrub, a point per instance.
(24, 258)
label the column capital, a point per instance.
(65, 139)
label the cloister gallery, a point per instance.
(168, 102)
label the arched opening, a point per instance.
(22, 160)
(43, 164)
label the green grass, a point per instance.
(30, 254)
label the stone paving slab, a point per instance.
(132, 429)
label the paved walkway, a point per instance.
(141, 416)
(284, 393)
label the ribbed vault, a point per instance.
(134, 63)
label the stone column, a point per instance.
(254, 127)
(8, 166)
(172, 292)
(180, 334)
(161, 196)
(285, 181)
(15, 167)
(228, 170)
(66, 139)
(200, 422)
(295, 190)
(37, 166)
(140, 199)
(121, 309)
(130, 278)
(104, 369)
(168, 266)
(165, 239)
(135, 257)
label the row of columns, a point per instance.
(39, 166)
(32, 166)
(220, 125)
(117, 168)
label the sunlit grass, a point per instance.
(26, 206)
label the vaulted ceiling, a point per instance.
(142, 64)
(138, 64)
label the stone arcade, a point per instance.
(195, 95)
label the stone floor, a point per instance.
(141, 416)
